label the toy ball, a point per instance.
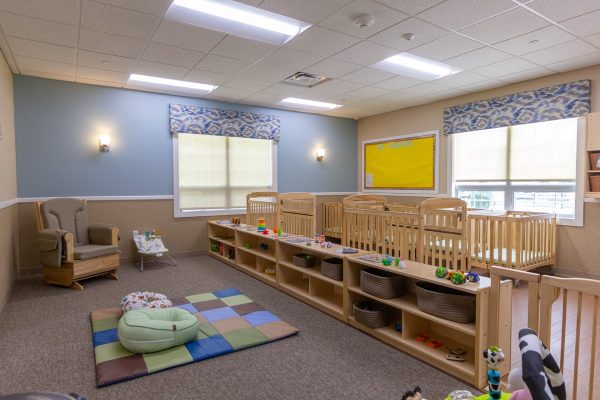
(458, 278)
(441, 272)
(323, 244)
(473, 277)
(329, 245)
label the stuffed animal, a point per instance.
(414, 394)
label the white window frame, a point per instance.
(509, 188)
(179, 213)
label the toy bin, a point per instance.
(446, 303)
(382, 284)
(333, 268)
(304, 260)
(370, 314)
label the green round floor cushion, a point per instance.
(150, 330)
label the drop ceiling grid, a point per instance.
(472, 39)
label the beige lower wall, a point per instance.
(9, 245)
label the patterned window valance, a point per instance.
(555, 102)
(212, 121)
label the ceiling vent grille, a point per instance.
(305, 79)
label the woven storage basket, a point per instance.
(333, 268)
(374, 318)
(382, 284)
(445, 303)
(304, 260)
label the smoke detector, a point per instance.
(305, 79)
(408, 36)
(363, 20)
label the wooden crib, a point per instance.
(332, 219)
(298, 213)
(519, 240)
(262, 205)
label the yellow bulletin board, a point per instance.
(405, 163)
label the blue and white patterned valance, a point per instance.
(567, 100)
(212, 121)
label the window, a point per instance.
(532, 167)
(215, 173)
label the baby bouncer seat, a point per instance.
(151, 244)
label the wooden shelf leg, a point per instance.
(76, 286)
(112, 275)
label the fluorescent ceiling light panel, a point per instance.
(155, 81)
(303, 103)
(237, 19)
(416, 67)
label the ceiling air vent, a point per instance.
(305, 79)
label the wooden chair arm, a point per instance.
(69, 249)
(115, 236)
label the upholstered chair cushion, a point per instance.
(93, 250)
(68, 215)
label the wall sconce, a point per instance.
(104, 142)
(320, 154)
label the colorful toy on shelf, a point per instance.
(422, 337)
(236, 220)
(264, 246)
(434, 344)
(265, 231)
(278, 232)
(493, 358)
(455, 354)
(398, 326)
(275, 230)
(387, 260)
(473, 277)
(248, 245)
(261, 226)
(326, 244)
(441, 272)
(213, 247)
(321, 238)
(270, 271)
(317, 238)
(457, 277)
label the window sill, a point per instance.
(209, 212)
(576, 222)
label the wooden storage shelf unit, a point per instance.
(256, 254)
(470, 336)
(221, 244)
(592, 140)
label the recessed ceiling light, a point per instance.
(155, 81)
(303, 103)
(416, 67)
(237, 19)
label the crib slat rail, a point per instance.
(298, 213)
(262, 205)
(332, 219)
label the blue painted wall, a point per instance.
(58, 124)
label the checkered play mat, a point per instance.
(229, 321)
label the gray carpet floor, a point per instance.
(45, 344)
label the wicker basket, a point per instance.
(382, 284)
(374, 316)
(333, 268)
(445, 303)
(304, 260)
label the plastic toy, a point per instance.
(278, 232)
(398, 326)
(261, 226)
(460, 395)
(454, 357)
(275, 230)
(321, 238)
(422, 337)
(265, 231)
(236, 220)
(213, 247)
(270, 271)
(329, 245)
(434, 344)
(457, 278)
(493, 357)
(473, 277)
(441, 272)
(316, 238)
(264, 246)
(309, 243)
(248, 246)
(387, 261)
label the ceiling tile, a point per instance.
(49, 67)
(509, 24)
(477, 58)
(102, 75)
(446, 47)
(101, 42)
(537, 40)
(526, 75)
(312, 11)
(560, 10)
(291, 59)
(460, 79)
(398, 83)
(458, 14)
(561, 52)
(510, 66)
(161, 53)
(154, 7)
(262, 99)
(424, 89)
(105, 62)
(243, 49)
(368, 76)
(424, 32)
(186, 36)
(584, 25)
(68, 78)
(160, 70)
(223, 65)
(575, 63)
(484, 85)
(594, 40)
(363, 93)
(335, 87)
(265, 73)
(343, 20)
(105, 18)
(332, 68)
(321, 41)
(208, 77)
(250, 85)
(43, 51)
(411, 7)
(285, 90)
(365, 53)
(39, 30)
(97, 82)
(228, 94)
(64, 11)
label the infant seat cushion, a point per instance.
(142, 300)
(151, 330)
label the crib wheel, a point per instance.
(517, 283)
